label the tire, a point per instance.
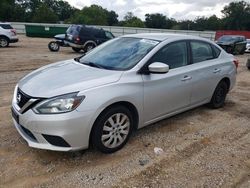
(4, 42)
(107, 135)
(76, 49)
(54, 46)
(89, 47)
(230, 50)
(248, 64)
(219, 96)
(242, 52)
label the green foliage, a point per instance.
(237, 16)
(43, 14)
(61, 8)
(25, 10)
(6, 9)
(132, 21)
(93, 15)
(112, 18)
(210, 23)
(159, 21)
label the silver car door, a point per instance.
(206, 71)
(166, 93)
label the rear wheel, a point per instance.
(4, 42)
(89, 47)
(219, 95)
(76, 49)
(54, 46)
(112, 129)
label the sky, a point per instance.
(178, 9)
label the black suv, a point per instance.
(233, 44)
(82, 37)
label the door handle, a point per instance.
(216, 70)
(185, 78)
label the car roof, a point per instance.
(4, 23)
(161, 36)
(86, 26)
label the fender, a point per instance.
(5, 37)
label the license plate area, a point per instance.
(15, 115)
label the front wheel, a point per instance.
(112, 129)
(219, 95)
(242, 51)
(54, 46)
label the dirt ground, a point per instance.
(202, 147)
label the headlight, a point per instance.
(60, 104)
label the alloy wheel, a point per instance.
(115, 130)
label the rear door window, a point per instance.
(201, 51)
(216, 50)
(99, 34)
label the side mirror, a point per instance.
(158, 68)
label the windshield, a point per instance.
(119, 54)
(226, 39)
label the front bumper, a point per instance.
(59, 132)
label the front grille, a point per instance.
(22, 98)
(28, 133)
(56, 140)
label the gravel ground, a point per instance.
(201, 147)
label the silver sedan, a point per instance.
(122, 85)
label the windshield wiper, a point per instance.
(91, 64)
(77, 59)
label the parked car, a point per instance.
(124, 84)
(233, 44)
(248, 46)
(82, 37)
(7, 34)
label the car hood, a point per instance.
(65, 77)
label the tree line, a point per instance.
(235, 16)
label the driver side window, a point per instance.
(174, 55)
(108, 35)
